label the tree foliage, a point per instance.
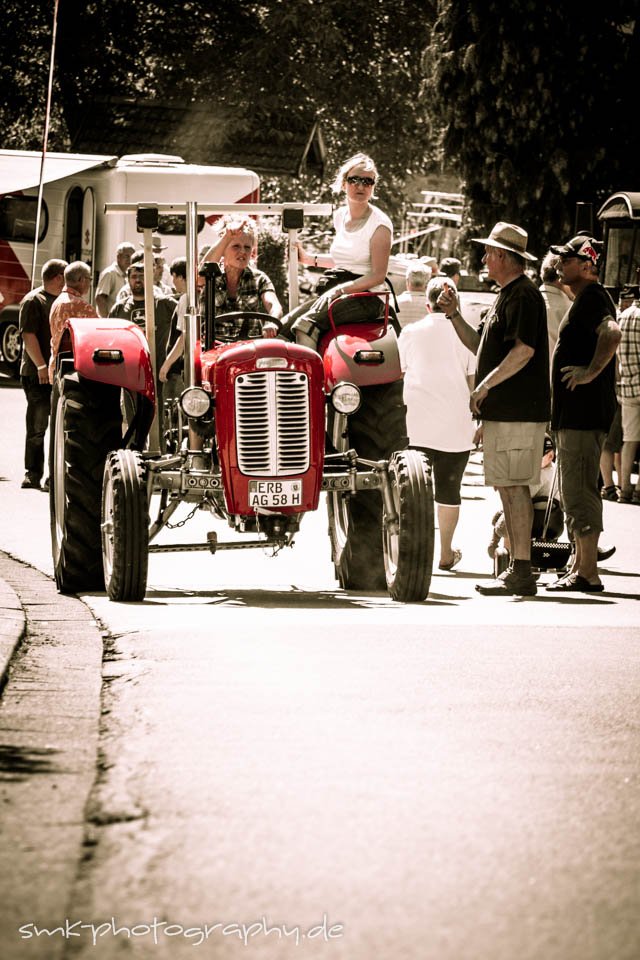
(536, 104)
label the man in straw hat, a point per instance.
(512, 393)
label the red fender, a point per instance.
(112, 351)
(347, 355)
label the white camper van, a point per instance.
(73, 225)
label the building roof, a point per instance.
(201, 133)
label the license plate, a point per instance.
(275, 493)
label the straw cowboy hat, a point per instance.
(508, 237)
(156, 243)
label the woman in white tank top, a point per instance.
(361, 247)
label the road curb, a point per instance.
(12, 625)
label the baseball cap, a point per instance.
(587, 248)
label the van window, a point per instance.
(175, 225)
(18, 219)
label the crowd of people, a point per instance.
(552, 357)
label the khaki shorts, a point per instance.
(512, 453)
(630, 420)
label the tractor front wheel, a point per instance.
(125, 526)
(408, 542)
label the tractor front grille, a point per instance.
(272, 423)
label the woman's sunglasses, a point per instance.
(365, 181)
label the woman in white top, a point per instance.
(358, 257)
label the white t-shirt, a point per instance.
(412, 306)
(182, 309)
(436, 365)
(351, 249)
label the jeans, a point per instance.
(37, 420)
(352, 310)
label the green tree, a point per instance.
(356, 66)
(535, 102)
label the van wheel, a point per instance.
(125, 526)
(10, 346)
(86, 424)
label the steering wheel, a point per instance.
(246, 316)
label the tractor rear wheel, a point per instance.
(86, 424)
(408, 544)
(125, 526)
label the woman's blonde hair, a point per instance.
(357, 160)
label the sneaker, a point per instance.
(30, 482)
(509, 585)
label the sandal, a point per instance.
(610, 493)
(575, 583)
(457, 557)
(625, 496)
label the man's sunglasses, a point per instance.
(365, 181)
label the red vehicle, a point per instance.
(280, 423)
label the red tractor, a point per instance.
(278, 424)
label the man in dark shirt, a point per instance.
(583, 404)
(36, 337)
(512, 394)
(133, 308)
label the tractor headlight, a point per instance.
(346, 398)
(195, 402)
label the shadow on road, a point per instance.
(18, 763)
(293, 598)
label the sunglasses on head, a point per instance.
(365, 181)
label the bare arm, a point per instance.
(323, 260)
(609, 337)
(448, 303)
(174, 354)
(32, 347)
(517, 358)
(271, 303)
(102, 304)
(216, 252)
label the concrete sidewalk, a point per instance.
(12, 626)
(51, 666)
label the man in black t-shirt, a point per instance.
(133, 308)
(583, 404)
(35, 308)
(512, 394)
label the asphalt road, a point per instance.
(331, 774)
